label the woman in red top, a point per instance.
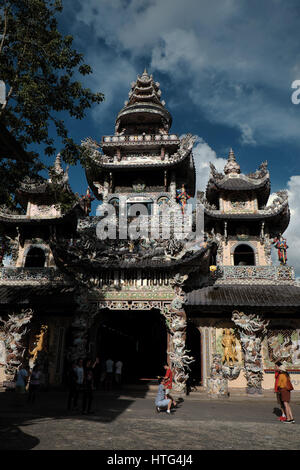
(168, 380)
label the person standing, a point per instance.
(97, 373)
(168, 383)
(118, 373)
(79, 381)
(162, 402)
(34, 384)
(72, 385)
(278, 394)
(285, 386)
(109, 373)
(88, 386)
(21, 379)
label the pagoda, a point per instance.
(132, 282)
(142, 165)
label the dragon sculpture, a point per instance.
(80, 325)
(176, 322)
(251, 328)
(285, 352)
(13, 332)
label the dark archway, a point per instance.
(35, 258)
(244, 256)
(193, 345)
(138, 339)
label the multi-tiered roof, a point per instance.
(144, 110)
(141, 142)
(238, 187)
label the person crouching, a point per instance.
(162, 402)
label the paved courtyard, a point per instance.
(128, 421)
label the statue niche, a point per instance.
(229, 344)
(231, 370)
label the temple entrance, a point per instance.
(193, 345)
(138, 339)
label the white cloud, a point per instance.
(293, 232)
(235, 60)
(203, 156)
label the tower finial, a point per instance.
(232, 166)
(57, 165)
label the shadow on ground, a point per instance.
(16, 412)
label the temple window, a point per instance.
(244, 256)
(35, 258)
(133, 213)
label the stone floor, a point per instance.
(128, 421)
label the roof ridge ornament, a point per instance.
(232, 167)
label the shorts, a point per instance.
(285, 395)
(163, 403)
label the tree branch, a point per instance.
(5, 30)
(13, 82)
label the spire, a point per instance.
(145, 90)
(144, 100)
(232, 167)
(57, 165)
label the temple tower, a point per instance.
(236, 210)
(142, 160)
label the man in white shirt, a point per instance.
(109, 373)
(118, 373)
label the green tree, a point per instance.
(40, 69)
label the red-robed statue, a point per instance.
(87, 201)
(182, 197)
(280, 244)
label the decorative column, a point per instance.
(14, 330)
(176, 321)
(252, 328)
(81, 323)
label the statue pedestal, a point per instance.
(217, 387)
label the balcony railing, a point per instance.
(261, 273)
(27, 275)
(139, 139)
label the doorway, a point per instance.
(138, 339)
(193, 346)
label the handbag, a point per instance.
(289, 385)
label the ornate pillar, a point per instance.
(206, 353)
(81, 323)
(251, 328)
(176, 321)
(13, 332)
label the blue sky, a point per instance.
(225, 68)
